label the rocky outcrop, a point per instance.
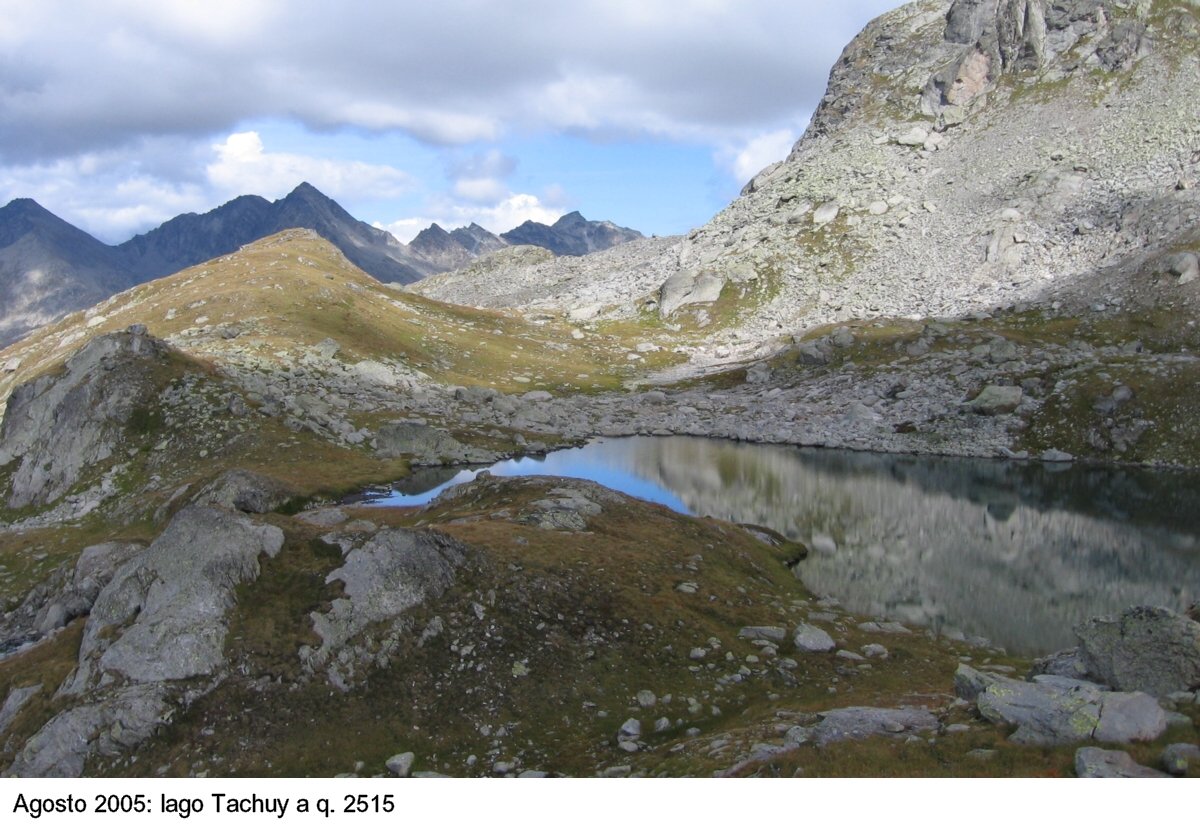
(1013, 36)
(61, 426)
(382, 579)
(108, 727)
(68, 594)
(244, 491)
(162, 617)
(158, 622)
(426, 445)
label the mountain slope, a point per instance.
(937, 178)
(49, 268)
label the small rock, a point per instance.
(401, 764)
(646, 698)
(630, 730)
(1096, 763)
(769, 633)
(812, 639)
(1179, 758)
(915, 137)
(826, 213)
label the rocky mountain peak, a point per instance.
(992, 38)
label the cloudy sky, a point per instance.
(118, 114)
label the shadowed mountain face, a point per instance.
(49, 268)
(190, 239)
(571, 235)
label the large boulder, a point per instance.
(689, 287)
(1144, 648)
(852, 723)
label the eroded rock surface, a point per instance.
(60, 425)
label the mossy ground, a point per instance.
(548, 637)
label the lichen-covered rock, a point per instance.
(1096, 763)
(59, 425)
(1054, 710)
(1144, 648)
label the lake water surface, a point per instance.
(1014, 552)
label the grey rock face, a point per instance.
(426, 445)
(390, 573)
(13, 702)
(861, 723)
(244, 491)
(117, 722)
(169, 602)
(1144, 648)
(689, 287)
(67, 594)
(160, 618)
(1095, 763)
(59, 425)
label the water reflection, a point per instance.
(1017, 553)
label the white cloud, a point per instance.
(759, 152)
(480, 190)
(243, 165)
(79, 75)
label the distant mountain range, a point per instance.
(49, 268)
